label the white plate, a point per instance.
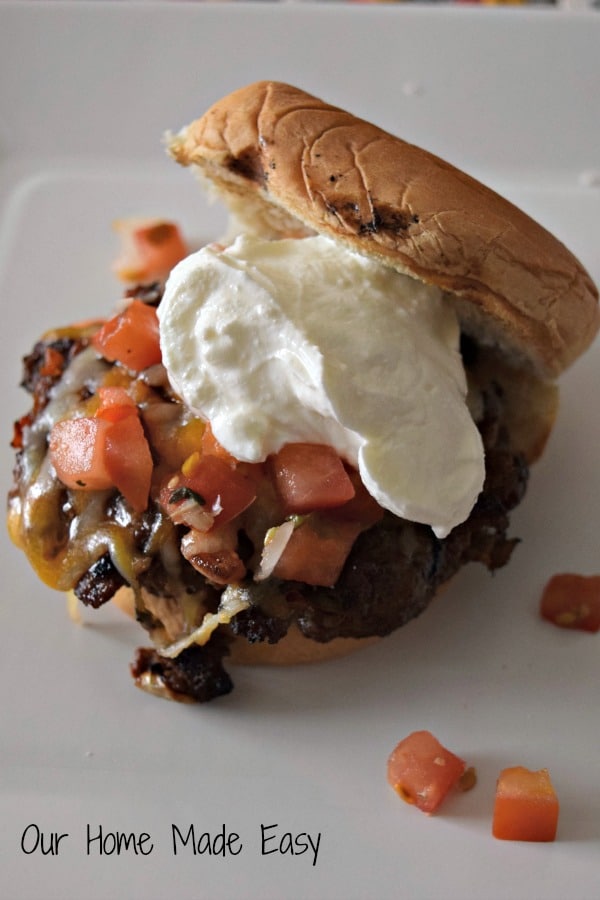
(86, 91)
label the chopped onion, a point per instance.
(232, 603)
(276, 540)
(196, 542)
(190, 512)
(155, 376)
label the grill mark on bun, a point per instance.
(335, 174)
(248, 166)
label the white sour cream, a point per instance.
(302, 340)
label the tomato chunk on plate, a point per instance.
(422, 771)
(149, 249)
(526, 807)
(572, 601)
(309, 477)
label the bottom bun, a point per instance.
(292, 650)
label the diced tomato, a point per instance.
(115, 404)
(211, 446)
(572, 601)
(219, 489)
(361, 508)
(225, 488)
(318, 548)
(129, 461)
(185, 506)
(317, 551)
(150, 249)
(131, 338)
(78, 453)
(422, 771)
(310, 477)
(104, 451)
(54, 363)
(526, 807)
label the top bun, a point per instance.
(297, 165)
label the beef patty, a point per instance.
(390, 576)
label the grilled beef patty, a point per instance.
(393, 570)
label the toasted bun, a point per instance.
(292, 650)
(295, 165)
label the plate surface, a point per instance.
(86, 91)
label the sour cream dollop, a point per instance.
(302, 340)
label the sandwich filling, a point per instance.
(118, 483)
(277, 342)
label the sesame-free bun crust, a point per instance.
(293, 164)
(292, 650)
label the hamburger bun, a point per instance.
(292, 164)
(292, 650)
